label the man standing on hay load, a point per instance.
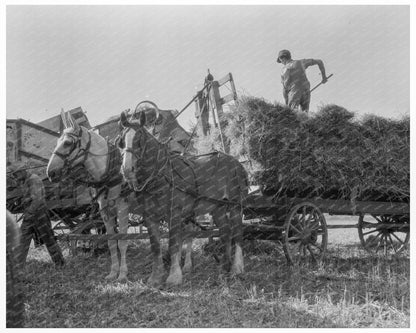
(35, 217)
(296, 87)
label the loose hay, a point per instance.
(329, 154)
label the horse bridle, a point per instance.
(129, 149)
(139, 158)
(82, 152)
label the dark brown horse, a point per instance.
(177, 188)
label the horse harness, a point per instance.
(112, 176)
(172, 172)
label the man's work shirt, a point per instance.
(33, 194)
(294, 75)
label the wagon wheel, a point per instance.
(386, 233)
(66, 224)
(60, 229)
(63, 226)
(93, 227)
(305, 234)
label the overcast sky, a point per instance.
(108, 58)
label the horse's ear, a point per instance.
(123, 119)
(142, 118)
(73, 122)
(64, 120)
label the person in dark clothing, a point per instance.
(15, 307)
(36, 219)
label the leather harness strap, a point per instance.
(111, 177)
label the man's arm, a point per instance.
(311, 62)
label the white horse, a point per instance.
(86, 156)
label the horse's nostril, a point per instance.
(52, 175)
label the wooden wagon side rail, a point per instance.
(386, 226)
(332, 206)
(348, 207)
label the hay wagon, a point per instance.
(299, 222)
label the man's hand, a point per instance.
(324, 79)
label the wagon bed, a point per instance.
(300, 224)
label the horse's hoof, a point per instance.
(187, 269)
(237, 270)
(173, 281)
(111, 277)
(122, 279)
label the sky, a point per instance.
(106, 59)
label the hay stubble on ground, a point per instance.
(349, 289)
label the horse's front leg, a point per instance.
(236, 219)
(175, 248)
(222, 221)
(110, 223)
(123, 221)
(152, 224)
(187, 266)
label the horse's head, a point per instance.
(132, 140)
(69, 149)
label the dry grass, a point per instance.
(349, 289)
(331, 153)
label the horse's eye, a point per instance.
(120, 144)
(67, 143)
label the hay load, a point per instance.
(330, 154)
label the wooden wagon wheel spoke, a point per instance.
(374, 243)
(378, 245)
(312, 218)
(306, 217)
(392, 243)
(381, 243)
(314, 226)
(304, 213)
(296, 229)
(311, 239)
(377, 218)
(299, 220)
(377, 239)
(401, 241)
(370, 232)
(385, 245)
(387, 233)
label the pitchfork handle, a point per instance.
(320, 83)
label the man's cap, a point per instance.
(284, 53)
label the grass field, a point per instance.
(351, 288)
